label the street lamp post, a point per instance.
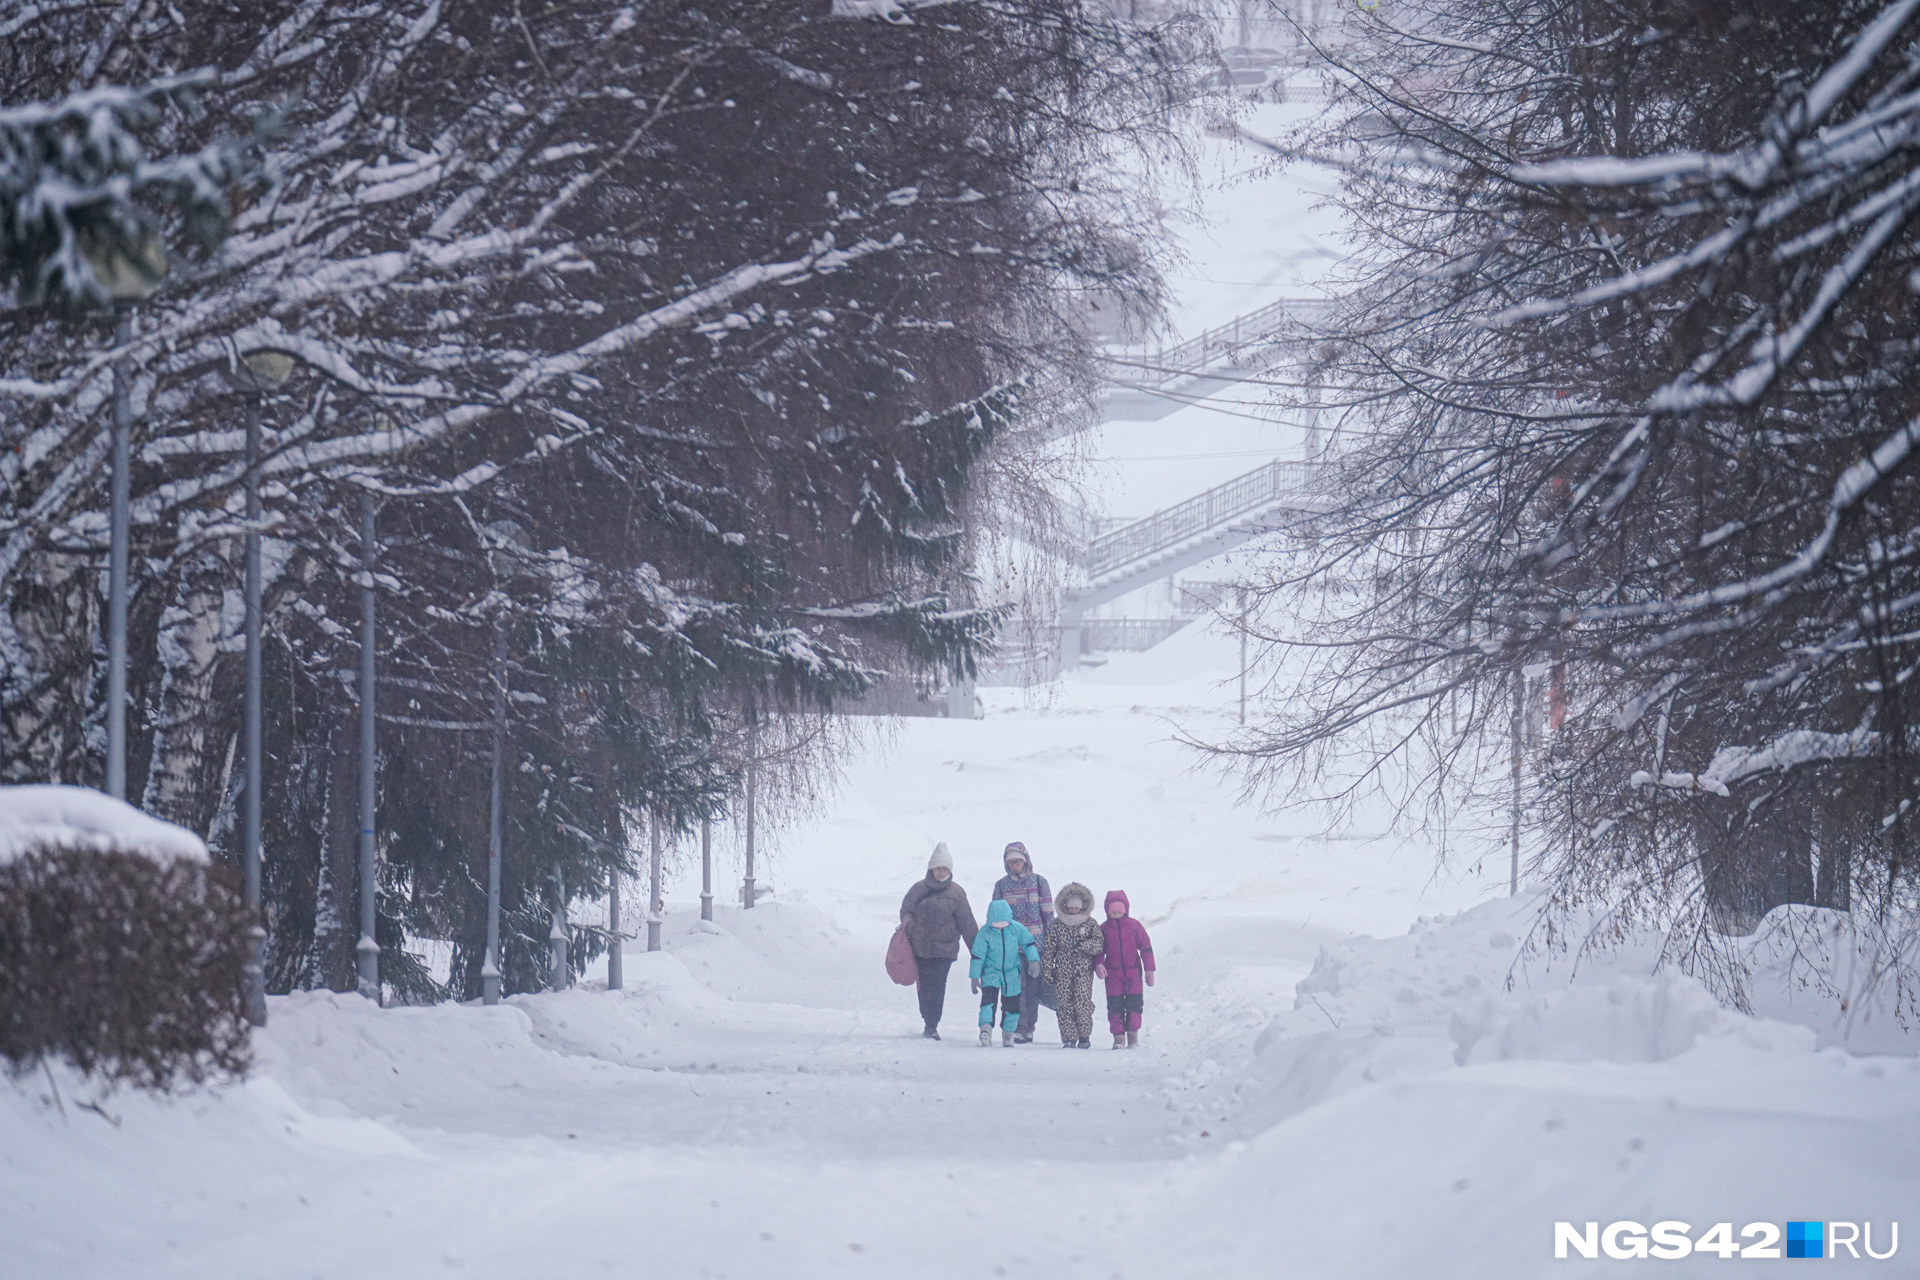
(706, 869)
(367, 951)
(129, 274)
(490, 966)
(753, 770)
(1518, 729)
(557, 936)
(256, 374)
(616, 970)
(117, 540)
(1243, 655)
(653, 895)
(256, 981)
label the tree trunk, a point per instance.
(181, 772)
(50, 606)
(333, 938)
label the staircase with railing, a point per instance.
(1151, 382)
(1240, 341)
(1126, 559)
(1126, 635)
(1138, 549)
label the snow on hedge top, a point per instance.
(36, 817)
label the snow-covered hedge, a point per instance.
(80, 818)
(121, 944)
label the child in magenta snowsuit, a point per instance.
(1127, 965)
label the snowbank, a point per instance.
(1469, 974)
(1625, 1019)
(1463, 990)
(34, 817)
(1834, 971)
(1442, 1098)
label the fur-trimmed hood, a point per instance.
(1068, 893)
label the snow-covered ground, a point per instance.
(1320, 1092)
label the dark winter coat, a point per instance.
(1073, 944)
(938, 918)
(1128, 954)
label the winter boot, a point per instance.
(1119, 1042)
(931, 1033)
(1008, 1039)
(986, 1036)
(1085, 1043)
(1133, 1039)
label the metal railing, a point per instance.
(1287, 318)
(1126, 635)
(1218, 505)
(1197, 599)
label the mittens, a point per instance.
(976, 986)
(1100, 972)
(1149, 977)
(1033, 969)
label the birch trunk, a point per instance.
(52, 606)
(181, 774)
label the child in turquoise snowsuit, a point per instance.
(1003, 953)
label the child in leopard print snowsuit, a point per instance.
(1074, 942)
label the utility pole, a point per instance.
(117, 541)
(653, 904)
(490, 967)
(616, 971)
(706, 869)
(753, 771)
(254, 980)
(367, 951)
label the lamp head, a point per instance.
(261, 371)
(128, 269)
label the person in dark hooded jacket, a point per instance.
(938, 919)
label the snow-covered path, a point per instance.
(759, 1102)
(759, 1095)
